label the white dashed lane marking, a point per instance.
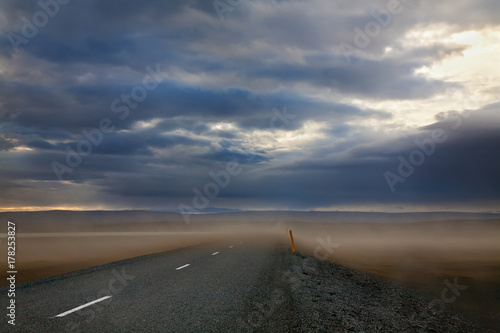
(186, 265)
(83, 306)
(106, 297)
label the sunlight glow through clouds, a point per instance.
(221, 83)
(142, 125)
(297, 139)
(263, 139)
(476, 69)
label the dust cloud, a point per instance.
(418, 253)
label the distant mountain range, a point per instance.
(133, 216)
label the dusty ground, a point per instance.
(39, 257)
(422, 255)
(335, 298)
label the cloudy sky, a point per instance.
(311, 105)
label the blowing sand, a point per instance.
(419, 254)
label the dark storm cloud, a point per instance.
(138, 35)
(266, 55)
(363, 78)
(81, 107)
(5, 144)
(462, 168)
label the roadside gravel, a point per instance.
(327, 297)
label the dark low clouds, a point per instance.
(268, 87)
(462, 167)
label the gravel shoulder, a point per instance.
(326, 297)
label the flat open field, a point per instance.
(420, 254)
(423, 255)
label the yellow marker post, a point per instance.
(293, 244)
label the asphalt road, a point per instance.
(223, 287)
(229, 286)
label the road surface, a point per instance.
(207, 288)
(229, 286)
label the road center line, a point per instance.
(186, 265)
(83, 306)
(215, 253)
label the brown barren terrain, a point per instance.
(420, 254)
